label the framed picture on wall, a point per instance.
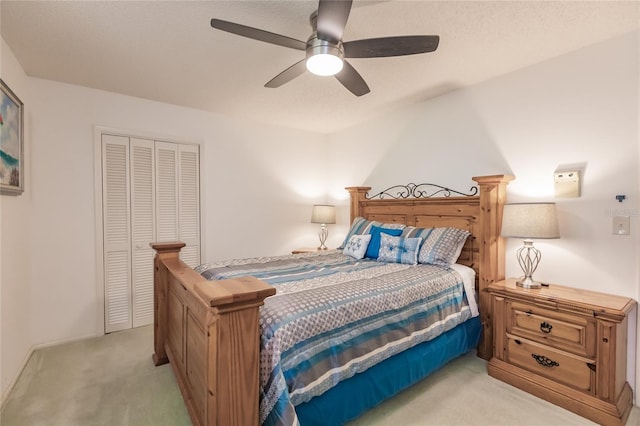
(11, 142)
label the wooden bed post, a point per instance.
(493, 191)
(357, 194)
(164, 251)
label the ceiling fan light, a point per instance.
(324, 64)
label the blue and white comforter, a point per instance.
(334, 316)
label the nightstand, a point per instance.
(565, 345)
(304, 250)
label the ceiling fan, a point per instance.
(325, 50)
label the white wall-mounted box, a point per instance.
(567, 184)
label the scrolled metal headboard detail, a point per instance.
(421, 190)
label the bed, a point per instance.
(233, 362)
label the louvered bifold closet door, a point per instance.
(189, 203)
(142, 229)
(166, 191)
(116, 232)
(178, 197)
(150, 192)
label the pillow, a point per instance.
(362, 226)
(357, 246)
(413, 232)
(399, 249)
(442, 246)
(374, 244)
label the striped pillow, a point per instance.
(441, 246)
(398, 249)
(362, 226)
(413, 232)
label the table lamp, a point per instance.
(323, 214)
(529, 221)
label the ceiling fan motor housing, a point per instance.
(316, 46)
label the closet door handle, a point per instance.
(545, 327)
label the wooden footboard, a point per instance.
(210, 334)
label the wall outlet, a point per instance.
(621, 225)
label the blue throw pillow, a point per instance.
(374, 244)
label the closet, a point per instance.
(150, 192)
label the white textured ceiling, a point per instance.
(167, 50)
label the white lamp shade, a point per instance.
(322, 213)
(530, 220)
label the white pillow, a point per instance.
(357, 245)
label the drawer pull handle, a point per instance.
(544, 361)
(545, 327)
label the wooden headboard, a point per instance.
(480, 214)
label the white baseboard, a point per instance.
(63, 341)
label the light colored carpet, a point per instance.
(111, 381)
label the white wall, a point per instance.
(578, 108)
(15, 235)
(242, 163)
(259, 183)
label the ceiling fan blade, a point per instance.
(390, 46)
(256, 34)
(352, 80)
(287, 75)
(332, 18)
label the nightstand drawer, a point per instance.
(553, 364)
(571, 333)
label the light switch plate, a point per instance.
(621, 225)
